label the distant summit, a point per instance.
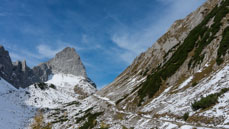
(67, 61)
(20, 75)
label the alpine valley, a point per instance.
(181, 82)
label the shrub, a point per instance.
(41, 85)
(185, 116)
(219, 61)
(205, 102)
(194, 84)
(208, 101)
(52, 86)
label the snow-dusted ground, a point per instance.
(68, 82)
(18, 106)
(63, 93)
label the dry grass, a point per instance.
(104, 125)
(119, 116)
(39, 122)
(206, 72)
(205, 120)
(178, 83)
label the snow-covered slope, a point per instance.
(14, 112)
(62, 93)
(18, 106)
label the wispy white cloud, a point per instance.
(42, 51)
(46, 52)
(134, 40)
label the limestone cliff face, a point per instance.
(68, 62)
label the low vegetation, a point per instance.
(185, 116)
(41, 85)
(52, 86)
(44, 86)
(209, 100)
(194, 84)
(39, 122)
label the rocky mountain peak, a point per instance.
(21, 64)
(20, 75)
(68, 62)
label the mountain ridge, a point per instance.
(19, 74)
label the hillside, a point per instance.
(180, 82)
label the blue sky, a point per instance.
(107, 34)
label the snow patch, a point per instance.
(185, 83)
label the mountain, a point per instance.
(180, 82)
(67, 61)
(20, 75)
(25, 91)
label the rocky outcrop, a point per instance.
(20, 75)
(17, 73)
